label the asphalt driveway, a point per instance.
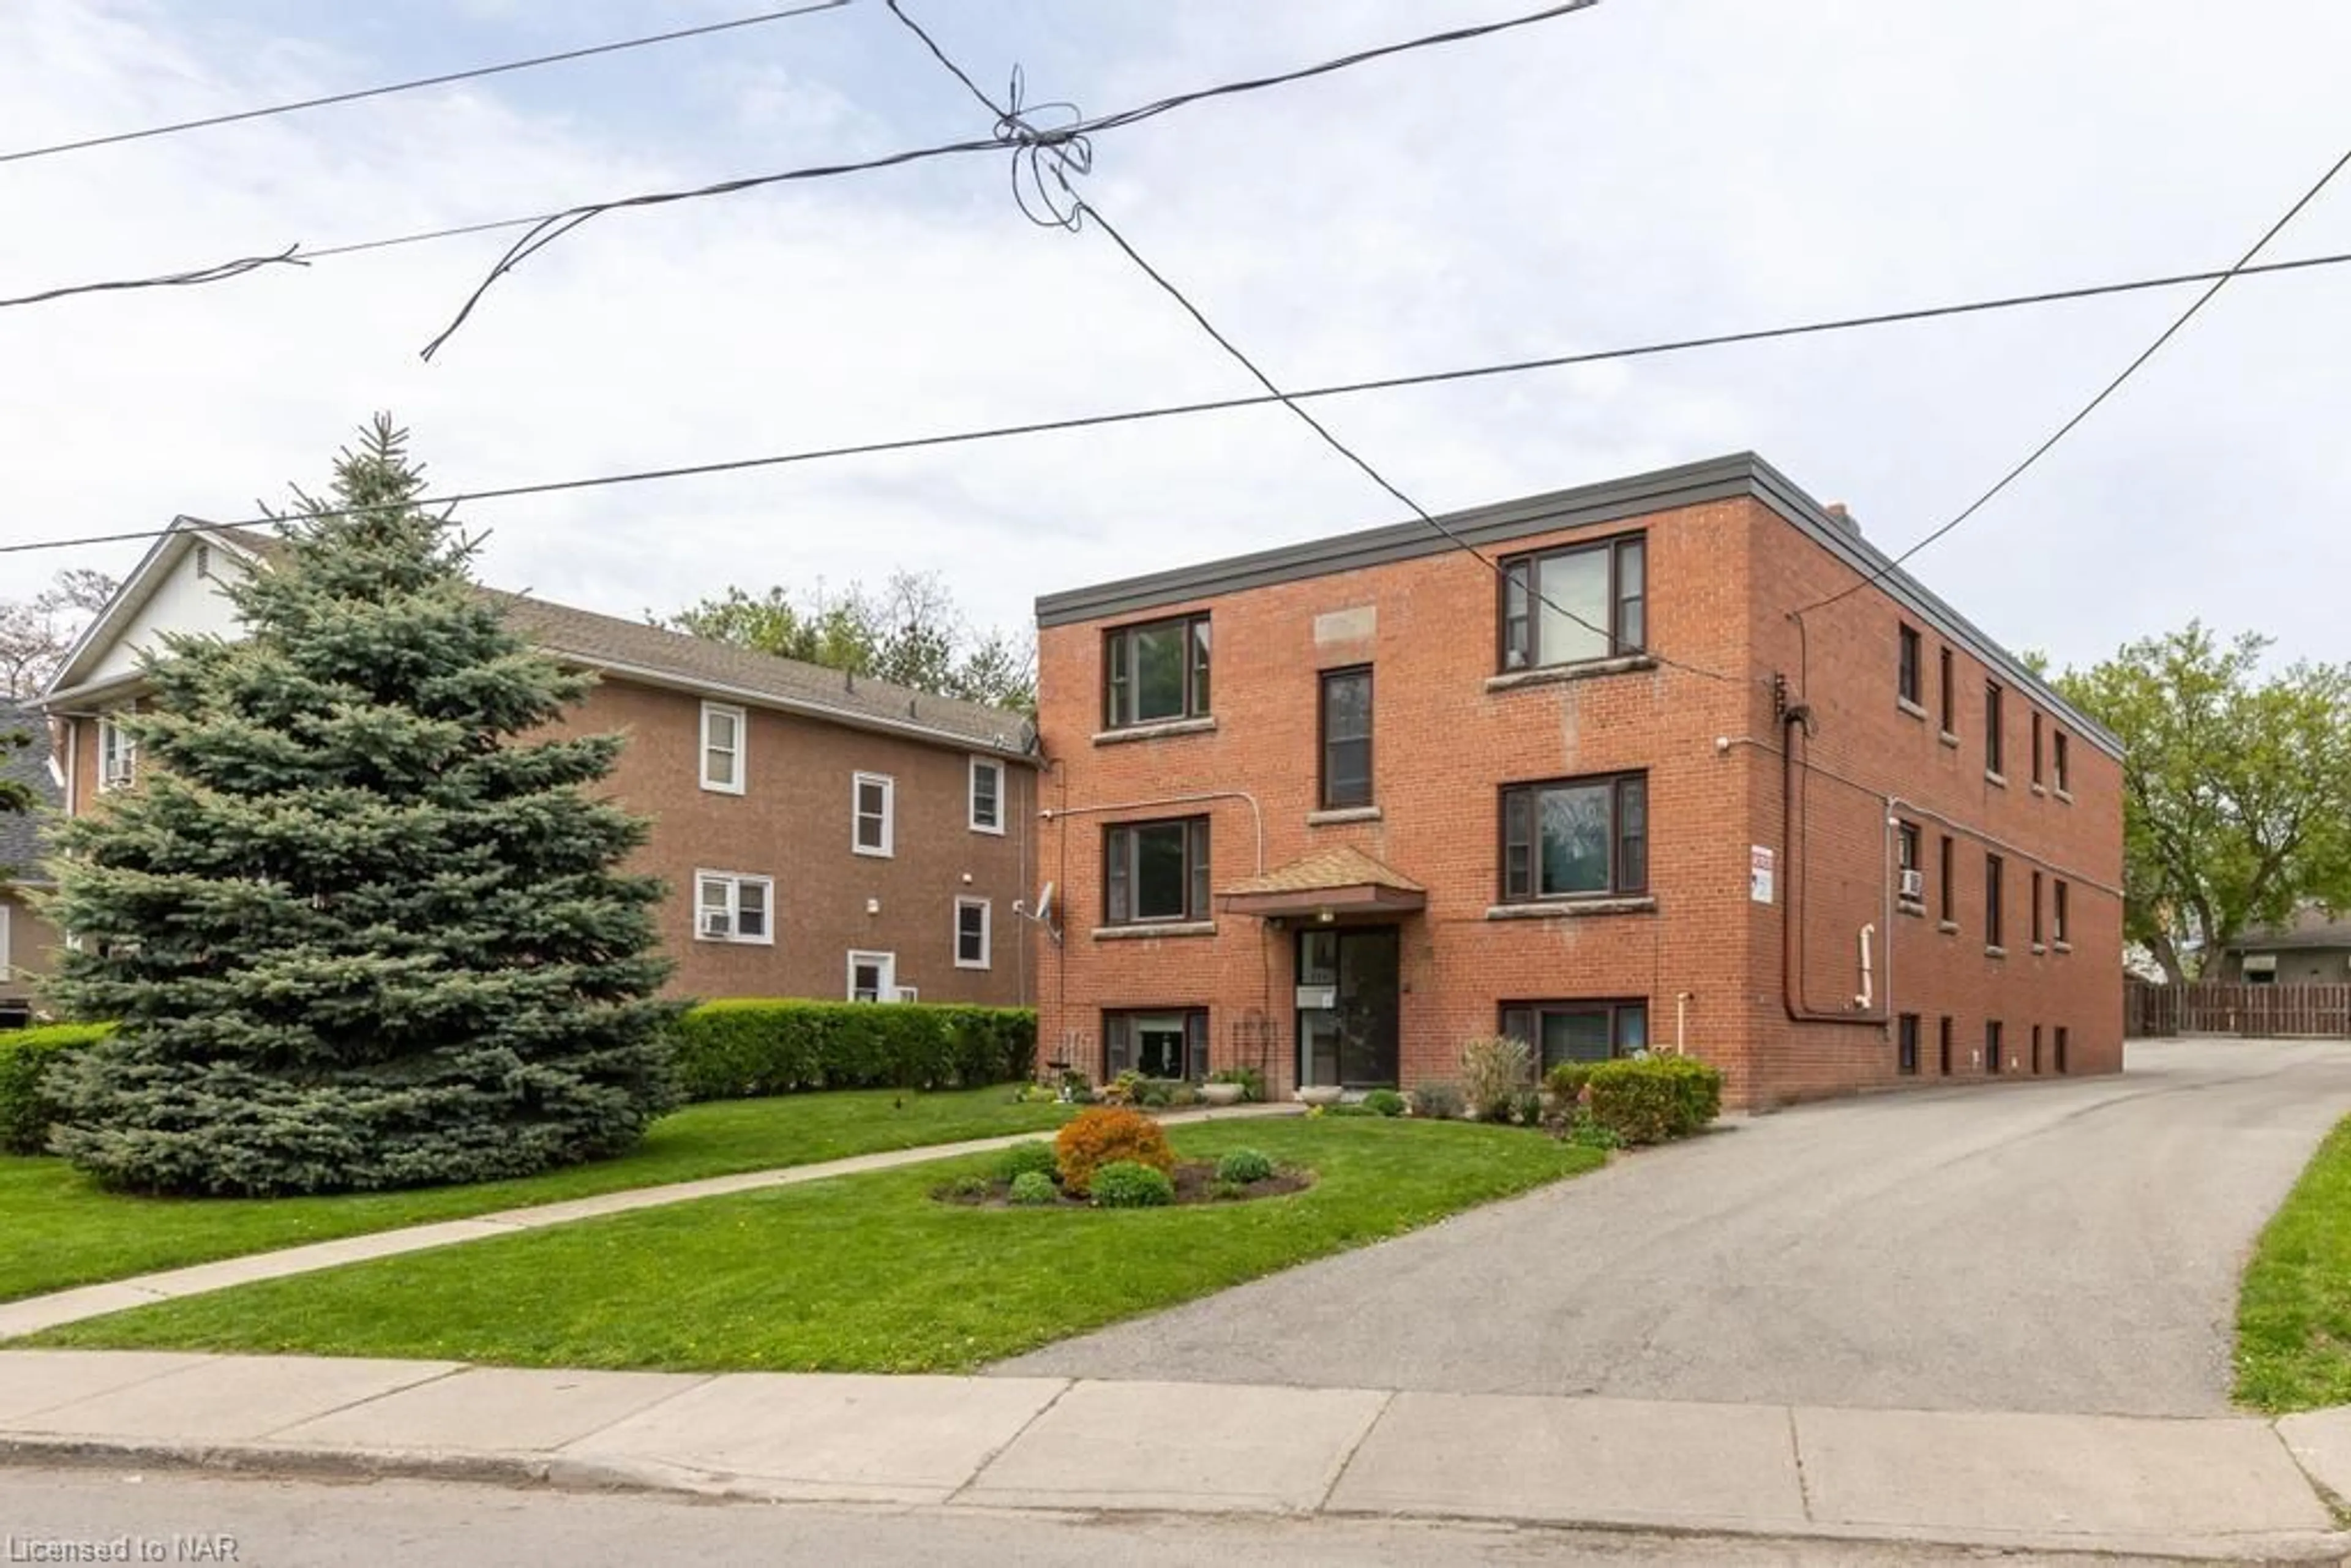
(2069, 1245)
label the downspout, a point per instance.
(1791, 927)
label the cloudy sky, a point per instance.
(1651, 168)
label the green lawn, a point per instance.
(2293, 1314)
(860, 1274)
(62, 1229)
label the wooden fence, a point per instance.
(2212, 1006)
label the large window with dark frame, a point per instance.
(1157, 1042)
(2036, 911)
(1156, 672)
(2065, 779)
(1568, 606)
(1906, 670)
(1946, 900)
(1948, 693)
(2036, 746)
(1993, 868)
(1578, 1031)
(2058, 928)
(1995, 754)
(1346, 730)
(1579, 838)
(1155, 871)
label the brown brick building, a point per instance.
(1334, 808)
(821, 836)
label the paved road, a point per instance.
(2061, 1246)
(278, 1523)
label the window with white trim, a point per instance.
(722, 727)
(729, 906)
(118, 755)
(873, 977)
(973, 937)
(987, 795)
(871, 801)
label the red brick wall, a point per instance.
(1723, 576)
(793, 822)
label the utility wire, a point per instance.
(1066, 143)
(214, 274)
(1219, 406)
(2242, 267)
(442, 80)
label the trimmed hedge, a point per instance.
(25, 1056)
(1653, 1099)
(748, 1047)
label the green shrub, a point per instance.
(967, 1186)
(1033, 1188)
(1344, 1108)
(1527, 1107)
(1653, 1099)
(746, 1046)
(1566, 1080)
(1244, 1166)
(27, 1055)
(1384, 1102)
(1494, 1069)
(1251, 1081)
(1439, 1100)
(1583, 1130)
(1017, 1161)
(1127, 1183)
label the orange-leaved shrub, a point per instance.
(1104, 1135)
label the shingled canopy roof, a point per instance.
(1340, 880)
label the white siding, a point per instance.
(182, 601)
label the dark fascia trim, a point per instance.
(1736, 475)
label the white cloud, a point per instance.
(1635, 173)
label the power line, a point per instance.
(1224, 404)
(1079, 210)
(442, 80)
(1067, 144)
(2221, 281)
(214, 274)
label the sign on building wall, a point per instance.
(1759, 874)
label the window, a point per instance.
(1949, 898)
(1992, 869)
(1905, 1045)
(873, 797)
(118, 755)
(1991, 1045)
(1943, 1049)
(2058, 924)
(1950, 703)
(873, 977)
(2036, 909)
(1165, 1042)
(2060, 1043)
(722, 748)
(1575, 840)
(1156, 672)
(972, 935)
(987, 795)
(1578, 1031)
(2036, 1050)
(2064, 770)
(1155, 871)
(1906, 669)
(1346, 737)
(1572, 605)
(1993, 754)
(731, 907)
(2036, 746)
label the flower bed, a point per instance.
(1195, 1182)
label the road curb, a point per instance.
(560, 1473)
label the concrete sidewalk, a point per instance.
(31, 1314)
(2225, 1486)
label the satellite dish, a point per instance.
(1045, 904)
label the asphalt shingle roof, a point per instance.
(2308, 928)
(20, 835)
(608, 640)
(1339, 866)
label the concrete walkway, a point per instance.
(31, 1314)
(2231, 1486)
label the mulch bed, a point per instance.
(1195, 1182)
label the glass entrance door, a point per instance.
(1347, 1006)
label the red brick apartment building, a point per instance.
(819, 836)
(1333, 810)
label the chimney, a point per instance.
(1844, 518)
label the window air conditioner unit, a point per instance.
(1914, 884)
